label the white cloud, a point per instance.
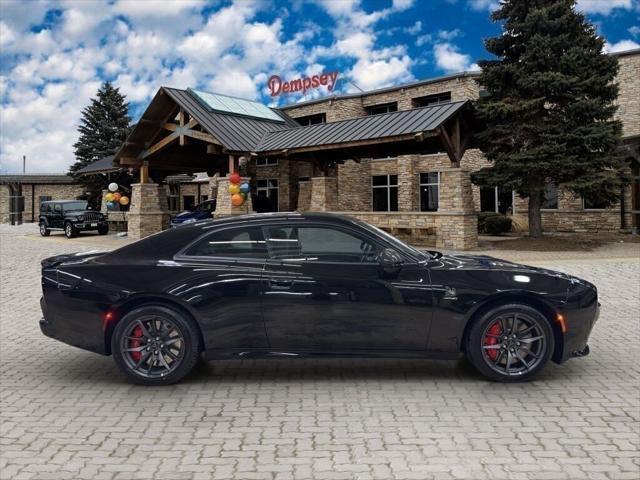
(635, 30)
(414, 29)
(603, 7)
(484, 4)
(449, 59)
(369, 74)
(620, 46)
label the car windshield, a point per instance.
(73, 206)
(397, 243)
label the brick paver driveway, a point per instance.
(67, 413)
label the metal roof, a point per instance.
(42, 179)
(404, 122)
(103, 165)
(235, 132)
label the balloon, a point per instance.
(108, 197)
(237, 200)
(234, 188)
(124, 200)
(110, 205)
(113, 186)
(245, 188)
(235, 178)
(116, 197)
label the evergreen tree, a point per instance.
(548, 113)
(103, 128)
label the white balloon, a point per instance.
(113, 186)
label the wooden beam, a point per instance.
(205, 137)
(170, 126)
(158, 146)
(130, 161)
(144, 173)
(232, 164)
(449, 147)
(181, 120)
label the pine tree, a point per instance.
(548, 113)
(103, 128)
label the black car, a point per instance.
(283, 285)
(71, 216)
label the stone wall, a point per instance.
(224, 207)
(354, 185)
(324, 194)
(148, 212)
(629, 93)
(55, 191)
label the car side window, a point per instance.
(320, 244)
(242, 242)
(57, 208)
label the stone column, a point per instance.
(224, 207)
(456, 220)
(407, 184)
(4, 204)
(213, 186)
(304, 196)
(324, 194)
(103, 203)
(148, 212)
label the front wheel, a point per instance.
(155, 345)
(103, 230)
(510, 343)
(69, 230)
(44, 231)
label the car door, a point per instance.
(324, 291)
(220, 277)
(57, 216)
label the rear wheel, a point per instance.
(510, 343)
(155, 345)
(44, 231)
(69, 230)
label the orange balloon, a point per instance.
(237, 200)
(234, 188)
(124, 200)
(235, 178)
(116, 197)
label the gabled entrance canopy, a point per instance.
(186, 131)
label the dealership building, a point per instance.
(399, 158)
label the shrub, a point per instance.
(497, 225)
(482, 218)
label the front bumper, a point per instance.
(580, 323)
(90, 225)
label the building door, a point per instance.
(266, 199)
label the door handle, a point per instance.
(280, 284)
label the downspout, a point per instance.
(33, 203)
(623, 222)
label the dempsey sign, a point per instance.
(277, 86)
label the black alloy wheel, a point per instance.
(69, 230)
(44, 231)
(510, 343)
(103, 230)
(155, 345)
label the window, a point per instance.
(384, 193)
(73, 206)
(496, 199)
(429, 191)
(244, 242)
(173, 199)
(57, 208)
(321, 244)
(312, 119)
(593, 203)
(188, 201)
(434, 99)
(382, 108)
(266, 161)
(550, 200)
(207, 206)
(204, 198)
(267, 195)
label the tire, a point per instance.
(70, 231)
(515, 359)
(168, 358)
(44, 231)
(103, 230)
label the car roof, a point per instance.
(272, 217)
(62, 201)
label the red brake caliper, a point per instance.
(491, 339)
(137, 332)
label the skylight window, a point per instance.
(238, 106)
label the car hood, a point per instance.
(486, 262)
(185, 214)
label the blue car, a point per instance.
(202, 211)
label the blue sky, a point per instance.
(55, 54)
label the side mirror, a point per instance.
(390, 263)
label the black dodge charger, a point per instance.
(271, 285)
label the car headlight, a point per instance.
(190, 220)
(80, 218)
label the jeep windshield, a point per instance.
(74, 206)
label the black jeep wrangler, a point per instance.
(72, 216)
